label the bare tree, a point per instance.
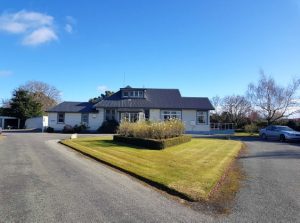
(272, 101)
(5, 103)
(43, 93)
(216, 102)
(236, 108)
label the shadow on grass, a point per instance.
(108, 143)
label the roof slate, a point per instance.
(154, 98)
(157, 98)
(73, 107)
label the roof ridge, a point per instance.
(194, 97)
(76, 102)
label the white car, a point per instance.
(282, 133)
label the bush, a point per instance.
(80, 128)
(49, 129)
(152, 143)
(110, 126)
(251, 128)
(152, 130)
(68, 129)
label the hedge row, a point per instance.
(153, 143)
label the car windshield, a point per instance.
(283, 128)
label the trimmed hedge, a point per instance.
(152, 143)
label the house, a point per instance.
(135, 104)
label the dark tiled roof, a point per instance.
(157, 98)
(73, 107)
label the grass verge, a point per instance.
(191, 170)
(246, 134)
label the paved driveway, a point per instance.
(41, 181)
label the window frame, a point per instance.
(171, 114)
(87, 116)
(204, 115)
(133, 94)
(58, 114)
(127, 94)
(130, 116)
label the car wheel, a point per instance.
(264, 136)
(282, 138)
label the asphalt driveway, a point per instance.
(41, 181)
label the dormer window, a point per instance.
(133, 93)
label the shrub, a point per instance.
(152, 130)
(80, 128)
(49, 129)
(68, 129)
(110, 126)
(152, 143)
(251, 128)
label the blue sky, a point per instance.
(204, 48)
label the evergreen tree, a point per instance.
(23, 106)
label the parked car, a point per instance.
(282, 133)
(0, 130)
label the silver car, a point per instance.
(282, 133)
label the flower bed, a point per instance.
(152, 135)
(152, 130)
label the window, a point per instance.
(61, 118)
(133, 94)
(85, 118)
(166, 115)
(110, 114)
(125, 94)
(130, 116)
(201, 117)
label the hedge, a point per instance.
(152, 143)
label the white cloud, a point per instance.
(40, 36)
(102, 88)
(5, 73)
(70, 22)
(35, 27)
(68, 28)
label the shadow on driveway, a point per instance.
(282, 154)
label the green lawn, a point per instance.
(192, 168)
